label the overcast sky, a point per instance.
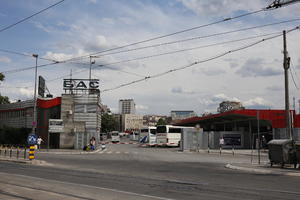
(253, 76)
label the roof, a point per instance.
(276, 117)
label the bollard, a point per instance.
(31, 152)
(5, 151)
(232, 150)
(10, 152)
(18, 152)
(24, 152)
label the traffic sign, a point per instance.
(32, 139)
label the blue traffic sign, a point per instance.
(32, 139)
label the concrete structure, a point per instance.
(81, 118)
(126, 106)
(131, 122)
(20, 115)
(182, 114)
(239, 128)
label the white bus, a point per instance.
(148, 135)
(168, 135)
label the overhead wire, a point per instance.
(26, 18)
(270, 7)
(202, 37)
(151, 46)
(198, 62)
(171, 34)
(187, 49)
(290, 69)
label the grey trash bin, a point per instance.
(282, 152)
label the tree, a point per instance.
(161, 121)
(108, 123)
(3, 99)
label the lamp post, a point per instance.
(34, 123)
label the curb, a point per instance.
(33, 162)
(260, 171)
(70, 152)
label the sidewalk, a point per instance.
(265, 168)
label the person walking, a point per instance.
(39, 142)
(221, 143)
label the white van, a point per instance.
(115, 137)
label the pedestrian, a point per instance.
(93, 143)
(221, 143)
(39, 142)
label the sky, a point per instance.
(254, 76)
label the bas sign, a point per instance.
(81, 84)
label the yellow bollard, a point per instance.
(31, 152)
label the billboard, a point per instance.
(42, 86)
(56, 126)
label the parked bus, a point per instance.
(169, 135)
(115, 137)
(148, 135)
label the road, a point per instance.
(127, 171)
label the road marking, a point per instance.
(109, 152)
(118, 152)
(90, 186)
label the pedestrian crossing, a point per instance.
(117, 152)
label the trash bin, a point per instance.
(282, 152)
(297, 147)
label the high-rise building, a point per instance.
(126, 106)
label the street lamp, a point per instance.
(34, 123)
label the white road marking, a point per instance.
(90, 186)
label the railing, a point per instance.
(14, 151)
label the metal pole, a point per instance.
(286, 66)
(34, 123)
(258, 135)
(90, 75)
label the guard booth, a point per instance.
(193, 139)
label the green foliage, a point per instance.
(2, 77)
(14, 136)
(3, 99)
(108, 123)
(161, 121)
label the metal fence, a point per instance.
(18, 152)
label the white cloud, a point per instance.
(257, 67)
(26, 92)
(141, 107)
(221, 7)
(258, 103)
(5, 59)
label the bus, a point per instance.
(148, 135)
(169, 135)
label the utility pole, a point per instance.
(34, 123)
(286, 66)
(258, 137)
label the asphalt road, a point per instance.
(125, 171)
